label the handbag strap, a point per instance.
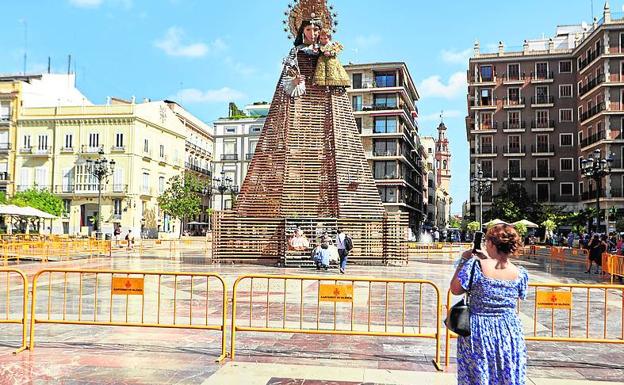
(472, 273)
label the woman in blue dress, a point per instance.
(495, 352)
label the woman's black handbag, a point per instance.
(458, 319)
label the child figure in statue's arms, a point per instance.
(329, 71)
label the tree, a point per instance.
(474, 226)
(40, 199)
(454, 222)
(181, 199)
(521, 229)
(550, 226)
(513, 203)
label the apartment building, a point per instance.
(533, 113)
(429, 180)
(384, 104)
(235, 140)
(9, 107)
(198, 147)
(146, 141)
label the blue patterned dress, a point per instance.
(495, 352)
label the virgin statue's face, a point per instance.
(310, 34)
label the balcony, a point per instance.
(595, 110)
(514, 126)
(597, 137)
(24, 187)
(542, 77)
(162, 159)
(229, 157)
(485, 151)
(147, 155)
(90, 189)
(591, 195)
(5, 177)
(542, 101)
(543, 149)
(514, 150)
(198, 169)
(385, 153)
(118, 148)
(542, 125)
(564, 198)
(67, 150)
(515, 78)
(513, 102)
(5, 148)
(193, 148)
(91, 150)
(543, 174)
(491, 175)
(485, 128)
(590, 85)
(589, 58)
(514, 174)
(617, 193)
(36, 151)
(249, 156)
(5, 120)
(483, 104)
(480, 79)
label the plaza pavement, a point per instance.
(118, 355)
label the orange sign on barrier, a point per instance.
(127, 286)
(336, 293)
(554, 299)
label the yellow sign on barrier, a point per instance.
(127, 286)
(554, 300)
(336, 293)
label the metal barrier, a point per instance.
(57, 247)
(336, 306)
(613, 265)
(436, 249)
(11, 276)
(129, 298)
(601, 319)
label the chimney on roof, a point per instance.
(501, 48)
(607, 13)
(525, 47)
(477, 49)
(551, 45)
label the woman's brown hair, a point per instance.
(505, 238)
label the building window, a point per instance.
(116, 206)
(541, 118)
(386, 170)
(514, 167)
(566, 189)
(229, 147)
(486, 121)
(255, 129)
(358, 124)
(565, 67)
(513, 71)
(66, 206)
(385, 125)
(565, 90)
(85, 181)
(514, 94)
(385, 79)
(357, 81)
(487, 168)
(566, 139)
(230, 130)
(385, 101)
(162, 150)
(487, 73)
(541, 94)
(514, 143)
(119, 142)
(513, 119)
(356, 102)
(5, 112)
(385, 147)
(566, 164)
(543, 168)
(69, 141)
(146, 186)
(565, 115)
(541, 69)
(388, 194)
(43, 142)
(94, 140)
(543, 192)
(26, 141)
(146, 145)
(161, 184)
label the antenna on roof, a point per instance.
(442, 116)
(49, 64)
(68, 64)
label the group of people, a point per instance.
(325, 252)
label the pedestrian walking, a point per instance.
(344, 243)
(596, 248)
(130, 240)
(495, 351)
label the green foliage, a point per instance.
(619, 225)
(549, 225)
(454, 222)
(474, 226)
(40, 199)
(181, 198)
(513, 203)
(3, 198)
(578, 229)
(521, 229)
(235, 112)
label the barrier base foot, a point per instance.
(437, 365)
(20, 350)
(221, 358)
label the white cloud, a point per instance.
(195, 96)
(86, 3)
(434, 87)
(456, 57)
(436, 117)
(367, 41)
(172, 45)
(240, 68)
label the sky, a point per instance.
(206, 53)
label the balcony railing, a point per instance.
(491, 102)
(543, 149)
(5, 176)
(543, 124)
(588, 195)
(90, 189)
(84, 149)
(617, 193)
(514, 149)
(600, 135)
(5, 148)
(197, 149)
(5, 119)
(118, 148)
(67, 149)
(249, 156)
(509, 102)
(542, 75)
(25, 150)
(514, 125)
(41, 151)
(385, 153)
(198, 169)
(481, 79)
(598, 108)
(591, 84)
(229, 156)
(490, 174)
(514, 173)
(542, 173)
(563, 198)
(544, 99)
(515, 77)
(486, 126)
(485, 150)
(590, 57)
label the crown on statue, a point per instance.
(309, 10)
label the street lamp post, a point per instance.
(596, 167)
(100, 168)
(480, 185)
(224, 184)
